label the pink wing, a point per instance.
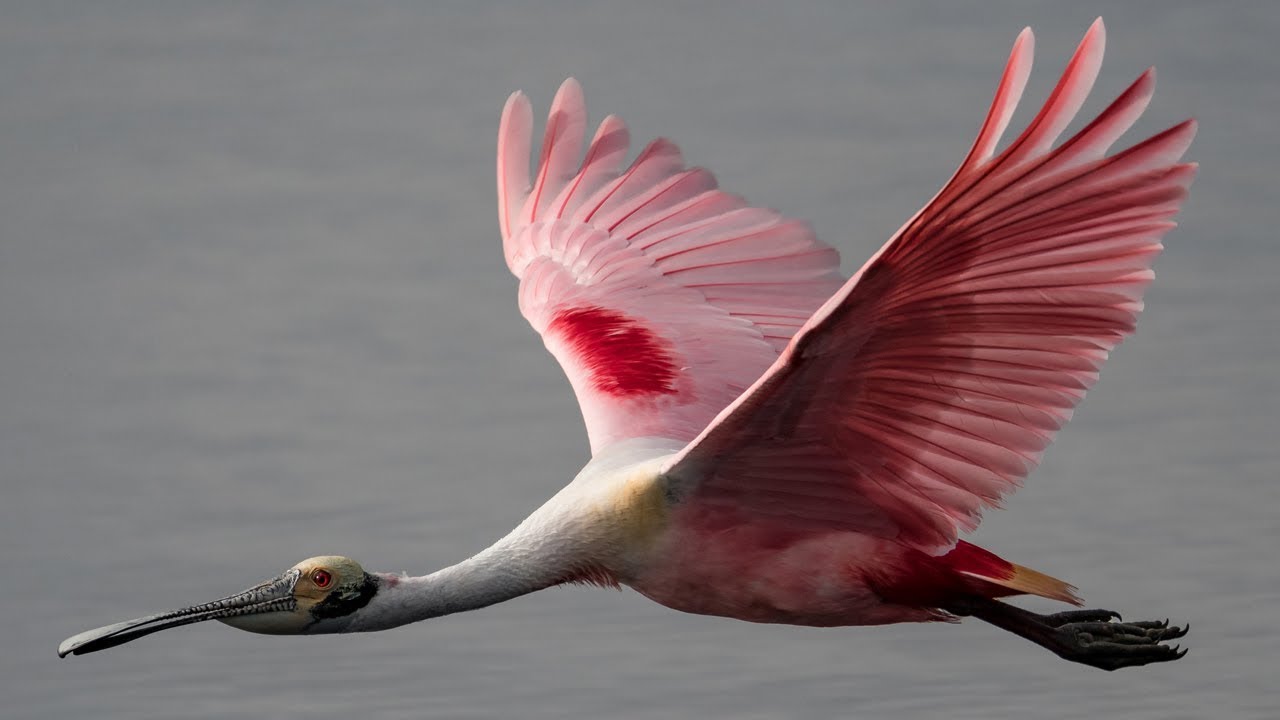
(662, 297)
(931, 383)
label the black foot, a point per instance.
(1091, 637)
(1076, 616)
(1113, 645)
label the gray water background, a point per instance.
(253, 309)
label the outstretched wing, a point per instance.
(662, 297)
(931, 383)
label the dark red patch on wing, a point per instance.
(622, 355)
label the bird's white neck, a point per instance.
(518, 564)
(577, 534)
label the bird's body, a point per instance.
(771, 442)
(707, 564)
(622, 521)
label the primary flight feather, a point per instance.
(771, 442)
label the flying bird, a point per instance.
(770, 441)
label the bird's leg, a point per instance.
(1091, 637)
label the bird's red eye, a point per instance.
(321, 578)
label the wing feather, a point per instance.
(930, 385)
(662, 297)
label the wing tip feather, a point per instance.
(570, 99)
(515, 135)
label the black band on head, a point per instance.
(346, 600)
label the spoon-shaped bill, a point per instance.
(275, 595)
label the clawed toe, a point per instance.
(1113, 645)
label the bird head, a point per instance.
(318, 595)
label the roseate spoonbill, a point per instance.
(769, 441)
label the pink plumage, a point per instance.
(648, 271)
(841, 435)
(931, 383)
(926, 387)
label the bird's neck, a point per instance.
(518, 564)
(574, 537)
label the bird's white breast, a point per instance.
(617, 505)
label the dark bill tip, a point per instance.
(275, 595)
(120, 633)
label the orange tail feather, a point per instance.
(988, 568)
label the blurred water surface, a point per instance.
(253, 309)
